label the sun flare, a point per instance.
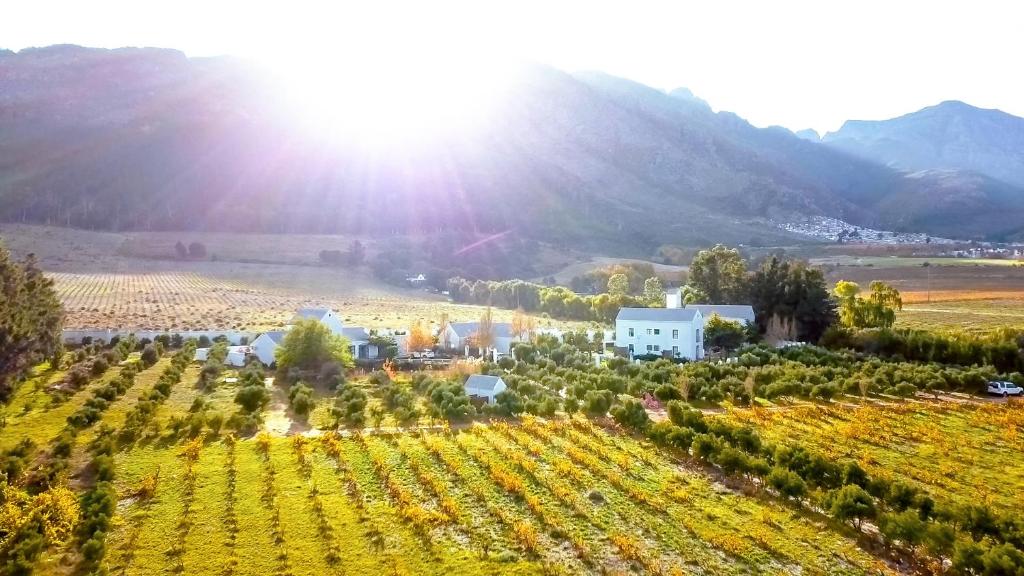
(390, 95)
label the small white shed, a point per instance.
(485, 387)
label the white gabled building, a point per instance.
(325, 316)
(265, 346)
(484, 387)
(458, 335)
(670, 332)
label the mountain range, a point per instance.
(150, 139)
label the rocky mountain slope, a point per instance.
(150, 139)
(948, 136)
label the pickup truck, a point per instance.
(1005, 389)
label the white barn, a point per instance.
(484, 387)
(670, 332)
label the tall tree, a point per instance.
(718, 276)
(654, 291)
(523, 325)
(794, 295)
(30, 318)
(484, 336)
(618, 285)
(419, 337)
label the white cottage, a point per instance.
(481, 386)
(671, 332)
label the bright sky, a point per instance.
(799, 64)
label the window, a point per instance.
(675, 334)
(631, 349)
(675, 350)
(657, 348)
(648, 331)
(657, 331)
(630, 332)
(649, 347)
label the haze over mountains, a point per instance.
(150, 139)
(948, 136)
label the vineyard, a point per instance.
(243, 297)
(562, 496)
(544, 497)
(960, 452)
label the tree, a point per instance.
(719, 275)
(356, 254)
(181, 250)
(197, 250)
(309, 345)
(631, 414)
(420, 337)
(878, 310)
(483, 338)
(654, 292)
(722, 333)
(787, 483)
(852, 503)
(30, 319)
(523, 325)
(793, 297)
(300, 398)
(618, 285)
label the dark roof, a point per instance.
(482, 382)
(657, 314)
(464, 329)
(745, 311)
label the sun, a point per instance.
(391, 94)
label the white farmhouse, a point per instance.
(265, 345)
(458, 335)
(483, 387)
(742, 314)
(671, 332)
(325, 316)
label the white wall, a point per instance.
(264, 348)
(332, 321)
(233, 336)
(686, 341)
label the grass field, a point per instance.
(962, 453)
(117, 281)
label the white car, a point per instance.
(1005, 389)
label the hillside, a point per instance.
(948, 136)
(147, 139)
